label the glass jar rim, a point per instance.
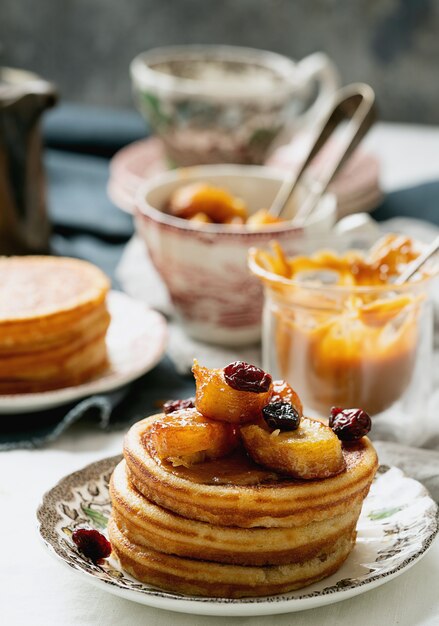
(272, 279)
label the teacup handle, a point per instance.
(318, 67)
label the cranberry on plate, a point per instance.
(92, 544)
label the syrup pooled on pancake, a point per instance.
(235, 469)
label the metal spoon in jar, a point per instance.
(415, 265)
(354, 103)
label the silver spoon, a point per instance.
(415, 265)
(354, 103)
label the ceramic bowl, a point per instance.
(227, 104)
(205, 266)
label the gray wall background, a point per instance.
(85, 46)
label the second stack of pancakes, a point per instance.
(236, 531)
(53, 323)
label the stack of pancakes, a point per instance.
(53, 322)
(240, 532)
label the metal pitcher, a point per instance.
(24, 224)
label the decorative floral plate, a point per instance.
(136, 340)
(397, 526)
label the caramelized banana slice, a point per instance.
(217, 400)
(186, 437)
(200, 217)
(262, 218)
(381, 312)
(283, 392)
(312, 451)
(216, 203)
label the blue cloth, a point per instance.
(421, 202)
(92, 130)
(87, 225)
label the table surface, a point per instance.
(37, 589)
(408, 154)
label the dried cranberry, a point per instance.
(349, 424)
(281, 415)
(244, 377)
(92, 544)
(175, 405)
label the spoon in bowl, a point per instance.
(415, 265)
(354, 103)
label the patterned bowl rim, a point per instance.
(257, 173)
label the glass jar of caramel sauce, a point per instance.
(341, 332)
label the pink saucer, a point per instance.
(358, 179)
(131, 166)
(356, 186)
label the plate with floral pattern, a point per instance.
(397, 526)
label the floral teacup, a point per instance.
(225, 104)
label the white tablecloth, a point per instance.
(37, 589)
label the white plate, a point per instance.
(397, 525)
(136, 340)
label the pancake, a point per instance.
(43, 288)
(273, 501)
(70, 368)
(206, 578)
(229, 527)
(44, 334)
(53, 323)
(149, 525)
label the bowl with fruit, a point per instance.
(198, 224)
